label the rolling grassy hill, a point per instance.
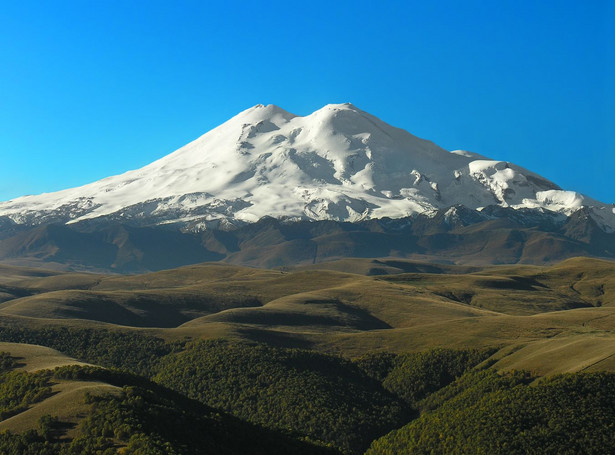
(68, 407)
(228, 337)
(409, 306)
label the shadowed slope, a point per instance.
(315, 298)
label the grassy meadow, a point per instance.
(338, 357)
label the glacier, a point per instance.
(338, 163)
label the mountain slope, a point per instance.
(495, 235)
(339, 163)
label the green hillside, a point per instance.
(484, 412)
(326, 398)
(131, 416)
(312, 359)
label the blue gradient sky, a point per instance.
(94, 88)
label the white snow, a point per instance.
(569, 200)
(474, 156)
(338, 163)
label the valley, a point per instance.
(207, 248)
(309, 350)
(319, 284)
(408, 306)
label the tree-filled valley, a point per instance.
(223, 359)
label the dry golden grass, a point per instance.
(327, 308)
(67, 404)
(562, 354)
(10, 274)
(508, 289)
(32, 357)
(384, 266)
(67, 399)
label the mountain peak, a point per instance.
(270, 108)
(262, 112)
(341, 106)
(333, 109)
(338, 163)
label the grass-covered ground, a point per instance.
(229, 397)
(316, 360)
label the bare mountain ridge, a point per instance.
(456, 235)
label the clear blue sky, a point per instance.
(94, 88)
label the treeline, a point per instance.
(179, 398)
(19, 389)
(414, 376)
(131, 351)
(318, 397)
(512, 413)
(149, 419)
(323, 397)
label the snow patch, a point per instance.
(337, 163)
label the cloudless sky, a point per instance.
(93, 88)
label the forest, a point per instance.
(228, 396)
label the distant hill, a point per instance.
(334, 357)
(557, 317)
(456, 235)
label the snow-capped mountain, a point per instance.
(339, 163)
